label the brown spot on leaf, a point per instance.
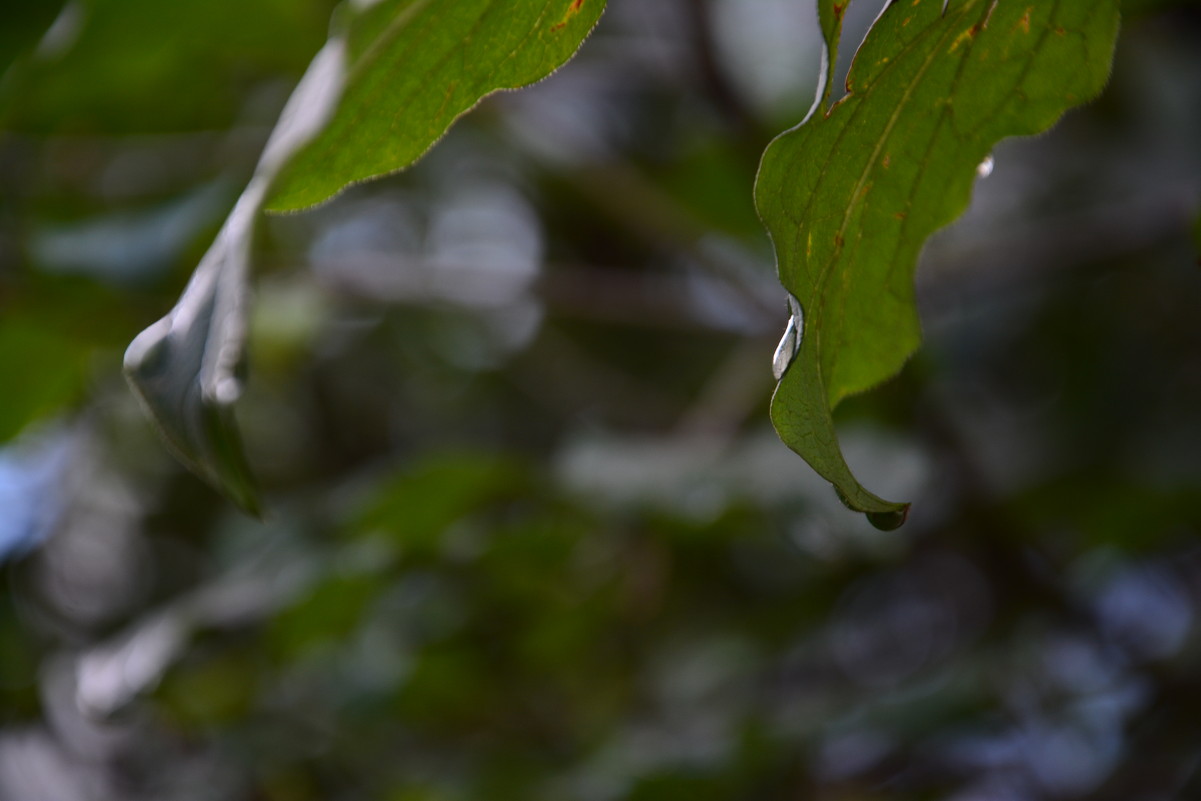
(839, 241)
(963, 37)
(838, 9)
(572, 10)
(1059, 31)
(900, 215)
(887, 160)
(1024, 22)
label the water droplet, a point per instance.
(984, 168)
(889, 521)
(790, 343)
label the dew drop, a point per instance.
(790, 343)
(984, 168)
(889, 521)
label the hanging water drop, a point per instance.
(790, 343)
(984, 168)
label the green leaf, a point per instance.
(418, 506)
(414, 67)
(383, 89)
(850, 196)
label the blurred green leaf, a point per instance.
(451, 687)
(44, 371)
(213, 692)
(25, 21)
(686, 784)
(413, 67)
(419, 794)
(1113, 510)
(115, 66)
(710, 183)
(850, 196)
(18, 665)
(326, 615)
(416, 507)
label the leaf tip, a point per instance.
(886, 516)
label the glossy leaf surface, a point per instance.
(850, 196)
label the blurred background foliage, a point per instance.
(531, 535)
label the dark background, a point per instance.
(530, 534)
